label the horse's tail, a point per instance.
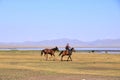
(60, 53)
(42, 52)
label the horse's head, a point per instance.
(72, 49)
(56, 48)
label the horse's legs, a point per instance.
(54, 57)
(46, 57)
(50, 56)
(70, 58)
(62, 58)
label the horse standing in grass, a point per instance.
(67, 53)
(49, 51)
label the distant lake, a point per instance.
(60, 48)
(102, 50)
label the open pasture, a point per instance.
(30, 65)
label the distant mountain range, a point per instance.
(62, 43)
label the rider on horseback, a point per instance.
(67, 48)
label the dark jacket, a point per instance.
(67, 47)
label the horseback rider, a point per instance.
(67, 47)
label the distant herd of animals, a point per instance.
(63, 53)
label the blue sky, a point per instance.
(36, 20)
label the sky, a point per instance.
(37, 20)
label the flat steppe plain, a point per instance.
(30, 65)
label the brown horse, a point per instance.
(49, 51)
(67, 53)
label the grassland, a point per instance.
(20, 65)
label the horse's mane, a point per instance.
(54, 48)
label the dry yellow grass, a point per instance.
(83, 63)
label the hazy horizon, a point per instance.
(61, 40)
(85, 20)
